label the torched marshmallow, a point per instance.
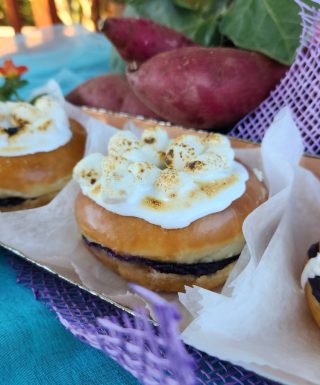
(151, 148)
(169, 183)
(28, 129)
(311, 270)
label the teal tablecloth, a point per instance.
(35, 349)
(70, 55)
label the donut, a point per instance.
(172, 235)
(310, 281)
(29, 180)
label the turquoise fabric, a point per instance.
(35, 349)
(69, 55)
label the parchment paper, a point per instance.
(261, 320)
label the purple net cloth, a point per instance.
(154, 354)
(299, 89)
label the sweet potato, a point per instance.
(106, 91)
(205, 87)
(138, 39)
(132, 105)
(111, 92)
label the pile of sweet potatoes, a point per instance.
(171, 78)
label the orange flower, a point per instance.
(10, 70)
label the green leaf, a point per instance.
(133, 2)
(35, 98)
(206, 33)
(268, 26)
(8, 88)
(163, 12)
(116, 62)
(201, 26)
(3, 96)
(195, 5)
(21, 83)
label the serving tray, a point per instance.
(119, 120)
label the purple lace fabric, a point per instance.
(153, 354)
(156, 355)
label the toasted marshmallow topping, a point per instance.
(311, 270)
(169, 183)
(28, 129)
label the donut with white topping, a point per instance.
(310, 281)
(39, 147)
(166, 213)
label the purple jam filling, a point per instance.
(314, 250)
(315, 282)
(11, 201)
(315, 285)
(196, 269)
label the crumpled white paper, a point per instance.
(261, 320)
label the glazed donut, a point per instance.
(32, 180)
(39, 146)
(147, 251)
(310, 281)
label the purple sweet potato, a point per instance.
(106, 91)
(138, 39)
(205, 87)
(111, 92)
(132, 105)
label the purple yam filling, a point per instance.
(11, 201)
(196, 269)
(315, 282)
(313, 250)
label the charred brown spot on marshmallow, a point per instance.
(169, 158)
(139, 169)
(45, 125)
(149, 140)
(90, 175)
(187, 152)
(213, 188)
(196, 165)
(96, 189)
(15, 132)
(213, 138)
(18, 121)
(11, 131)
(110, 164)
(153, 203)
(167, 180)
(121, 145)
(162, 156)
